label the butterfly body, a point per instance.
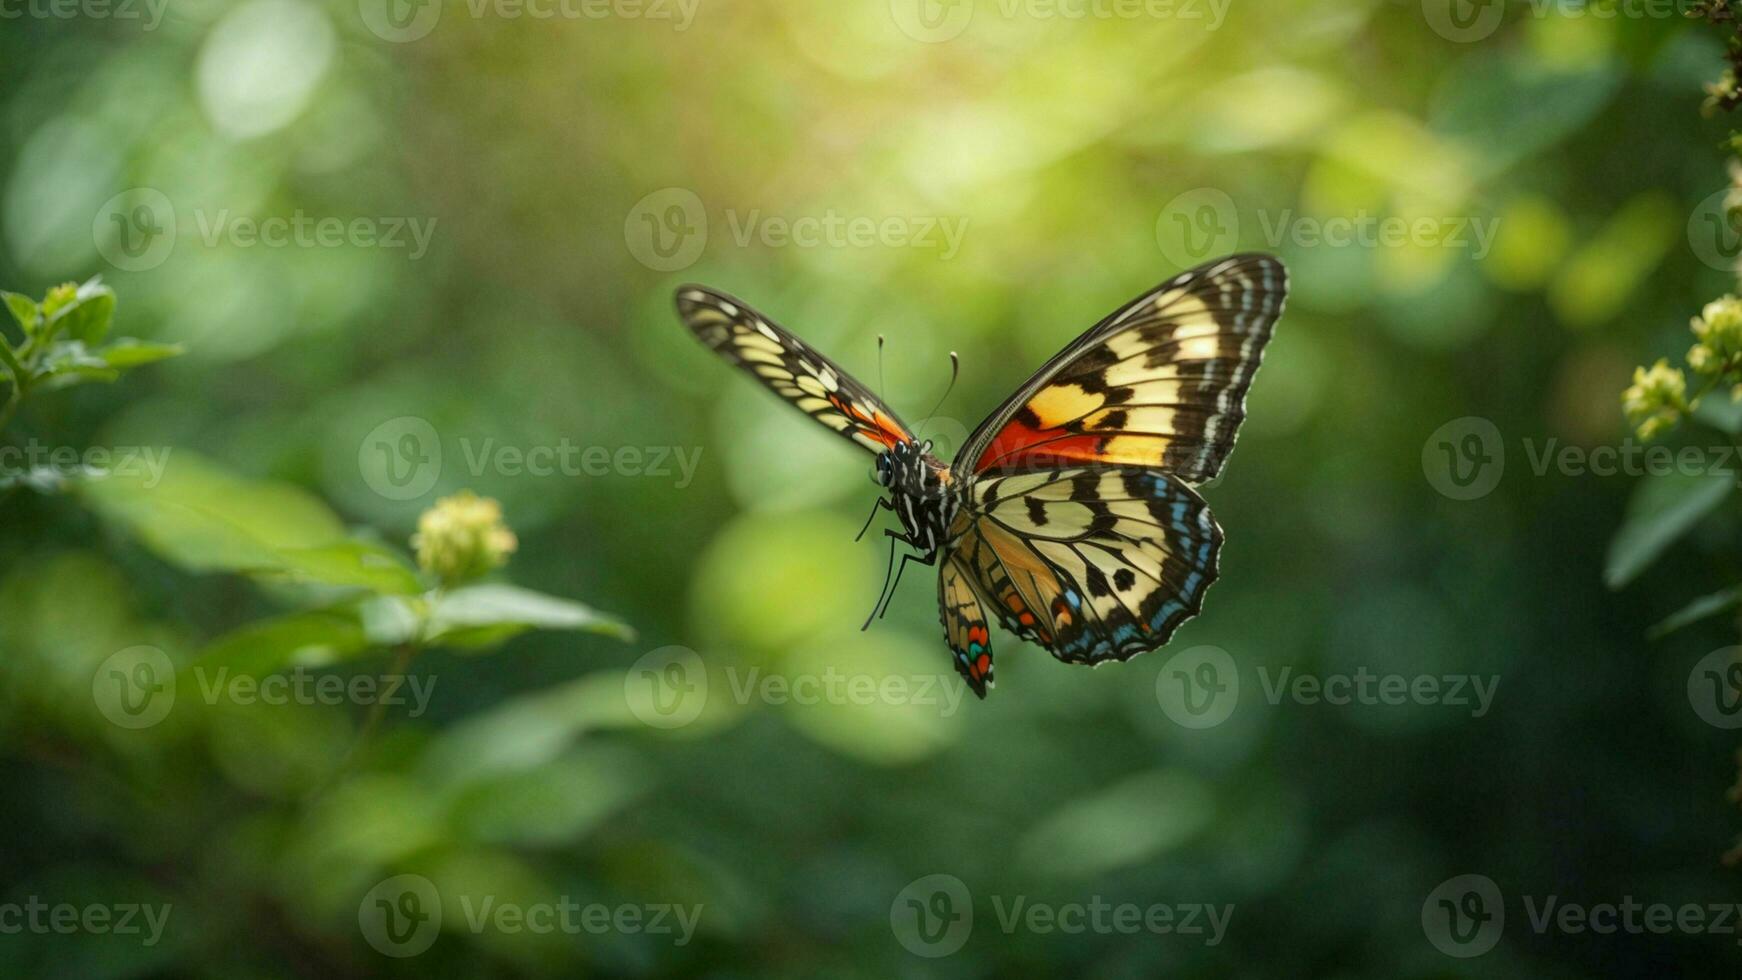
(1070, 514)
(920, 492)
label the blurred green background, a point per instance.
(569, 172)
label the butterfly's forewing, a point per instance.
(809, 381)
(1162, 382)
(1079, 524)
(1093, 563)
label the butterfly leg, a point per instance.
(887, 571)
(930, 559)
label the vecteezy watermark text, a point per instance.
(667, 230)
(1465, 21)
(144, 463)
(402, 915)
(1465, 458)
(36, 916)
(137, 230)
(934, 916)
(1465, 916)
(402, 459)
(149, 11)
(1200, 687)
(136, 688)
(400, 21)
(1204, 222)
(936, 21)
(669, 687)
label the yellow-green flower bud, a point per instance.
(57, 298)
(1656, 400)
(462, 537)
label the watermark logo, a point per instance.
(1465, 458)
(667, 230)
(400, 21)
(1196, 226)
(933, 916)
(667, 687)
(1715, 231)
(401, 916)
(1205, 222)
(401, 458)
(1464, 21)
(932, 21)
(135, 688)
(135, 230)
(1199, 687)
(1715, 688)
(1464, 916)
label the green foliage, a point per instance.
(277, 546)
(61, 341)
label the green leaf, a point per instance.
(390, 620)
(1720, 412)
(352, 563)
(24, 310)
(205, 519)
(552, 804)
(1129, 823)
(1663, 509)
(87, 317)
(68, 362)
(14, 370)
(1508, 106)
(497, 607)
(129, 352)
(271, 645)
(1704, 607)
(48, 480)
(526, 732)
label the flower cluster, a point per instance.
(462, 537)
(1656, 400)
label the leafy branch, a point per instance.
(62, 343)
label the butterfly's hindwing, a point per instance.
(1092, 563)
(965, 627)
(785, 365)
(1162, 382)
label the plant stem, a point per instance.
(11, 406)
(402, 655)
(401, 660)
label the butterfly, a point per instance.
(1070, 513)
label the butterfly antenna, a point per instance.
(955, 372)
(882, 392)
